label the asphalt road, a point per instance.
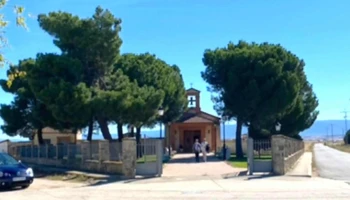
(267, 188)
(331, 163)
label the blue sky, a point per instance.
(178, 31)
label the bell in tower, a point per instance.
(193, 99)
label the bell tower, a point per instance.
(193, 98)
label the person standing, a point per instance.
(197, 149)
(205, 149)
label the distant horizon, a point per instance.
(321, 129)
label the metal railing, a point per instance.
(262, 148)
(146, 151)
(60, 151)
(73, 151)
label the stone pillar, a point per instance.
(129, 157)
(85, 151)
(250, 157)
(103, 150)
(159, 154)
(278, 154)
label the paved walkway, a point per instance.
(184, 165)
(332, 163)
(303, 167)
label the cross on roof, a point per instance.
(191, 85)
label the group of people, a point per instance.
(201, 148)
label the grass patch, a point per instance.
(263, 157)
(309, 146)
(238, 162)
(341, 147)
(243, 162)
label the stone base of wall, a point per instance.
(112, 167)
(106, 167)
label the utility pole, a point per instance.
(327, 135)
(346, 120)
(332, 133)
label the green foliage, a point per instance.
(160, 85)
(260, 84)
(95, 43)
(303, 114)
(89, 83)
(61, 90)
(16, 121)
(347, 137)
(26, 113)
(21, 22)
(255, 81)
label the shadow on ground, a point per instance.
(190, 158)
(115, 179)
(91, 179)
(7, 189)
(263, 176)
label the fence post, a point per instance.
(278, 154)
(250, 157)
(129, 157)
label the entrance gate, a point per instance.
(149, 157)
(259, 156)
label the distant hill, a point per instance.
(317, 131)
(320, 130)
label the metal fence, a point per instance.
(262, 148)
(68, 151)
(61, 151)
(146, 151)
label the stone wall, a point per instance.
(285, 153)
(125, 167)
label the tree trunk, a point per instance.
(239, 150)
(138, 141)
(90, 130)
(120, 132)
(132, 133)
(104, 128)
(40, 136)
(138, 135)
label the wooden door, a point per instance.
(189, 139)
